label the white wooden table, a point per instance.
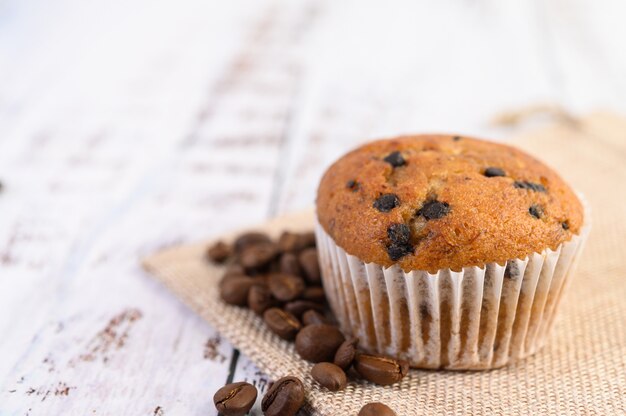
(127, 126)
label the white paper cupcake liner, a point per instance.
(478, 318)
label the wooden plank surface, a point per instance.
(130, 126)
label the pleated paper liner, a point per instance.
(581, 370)
(478, 318)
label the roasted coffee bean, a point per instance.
(289, 242)
(319, 342)
(234, 270)
(282, 323)
(379, 369)
(310, 265)
(219, 252)
(433, 210)
(376, 409)
(536, 211)
(289, 264)
(257, 256)
(386, 202)
(492, 172)
(286, 287)
(235, 399)
(284, 398)
(330, 376)
(312, 317)
(314, 294)
(353, 185)
(308, 239)
(345, 353)
(260, 299)
(250, 239)
(535, 187)
(234, 289)
(395, 159)
(300, 306)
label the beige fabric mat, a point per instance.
(582, 370)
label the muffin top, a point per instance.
(430, 202)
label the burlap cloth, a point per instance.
(582, 370)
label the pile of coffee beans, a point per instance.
(281, 281)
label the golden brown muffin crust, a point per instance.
(430, 202)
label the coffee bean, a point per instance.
(395, 159)
(376, 409)
(345, 353)
(312, 317)
(250, 239)
(289, 264)
(235, 399)
(260, 299)
(298, 307)
(282, 323)
(307, 239)
(257, 256)
(329, 376)
(286, 287)
(318, 342)
(284, 398)
(219, 252)
(310, 265)
(379, 369)
(234, 289)
(494, 172)
(536, 211)
(234, 270)
(535, 187)
(314, 294)
(353, 185)
(289, 242)
(433, 210)
(386, 202)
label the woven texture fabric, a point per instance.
(581, 370)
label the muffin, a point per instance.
(447, 251)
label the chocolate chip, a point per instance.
(565, 225)
(494, 172)
(353, 185)
(399, 233)
(397, 251)
(456, 138)
(536, 211)
(312, 317)
(286, 287)
(535, 187)
(329, 376)
(386, 202)
(282, 323)
(310, 265)
(380, 369)
(376, 409)
(234, 290)
(219, 252)
(345, 353)
(235, 399)
(318, 342)
(395, 159)
(284, 398)
(250, 239)
(433, 210)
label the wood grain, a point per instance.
(130, 126)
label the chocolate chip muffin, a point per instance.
(447, 251)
